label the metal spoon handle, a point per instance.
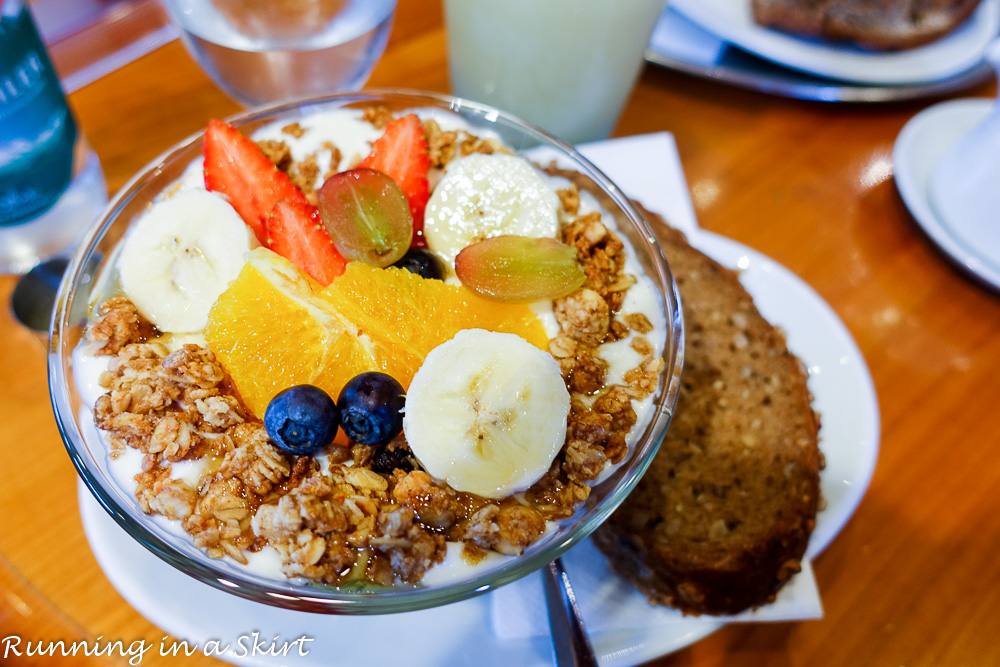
(35, 294)
(569, 637)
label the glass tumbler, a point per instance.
(261, 51)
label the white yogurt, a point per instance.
(352, 136)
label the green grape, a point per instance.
(367, 215)
(519, 268)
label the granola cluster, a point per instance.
(303, 173)
(360, 513)
(601, 414)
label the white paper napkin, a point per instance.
(648, 169)
(610, 603)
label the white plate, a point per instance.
(955, 53)
(461, 633)
(681, 44)
(919, 146)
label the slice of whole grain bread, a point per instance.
(722, 518)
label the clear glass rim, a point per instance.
(318, 599)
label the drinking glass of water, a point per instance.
(261, 51)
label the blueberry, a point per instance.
(422, 262)
(387, 459)
(302, 419)
(371, 406)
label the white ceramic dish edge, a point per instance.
(955, 53)
(458, 633)
(920, 144)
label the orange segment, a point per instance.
(425, 313)
(274, 327)
(269, 333)
(364, 347)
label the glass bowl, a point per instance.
(86, 278)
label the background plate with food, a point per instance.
(962, 49)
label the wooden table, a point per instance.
(914, 578)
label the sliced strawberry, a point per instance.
(401, 152)
(295, 232)
(236, 168)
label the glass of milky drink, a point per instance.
(425, 355)
(565, 65)
(261, 51)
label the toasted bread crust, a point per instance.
(874, 24)
(722, 518)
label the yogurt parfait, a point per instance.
(372, 348)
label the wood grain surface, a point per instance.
(913, 579)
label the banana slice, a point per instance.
(481, 196)
(180, 256)
(487, 412)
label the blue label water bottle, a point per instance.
(41, 157)
(37, 131)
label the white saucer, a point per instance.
(648, 169)
(919, 146)
(952, 54)
(462, 633)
